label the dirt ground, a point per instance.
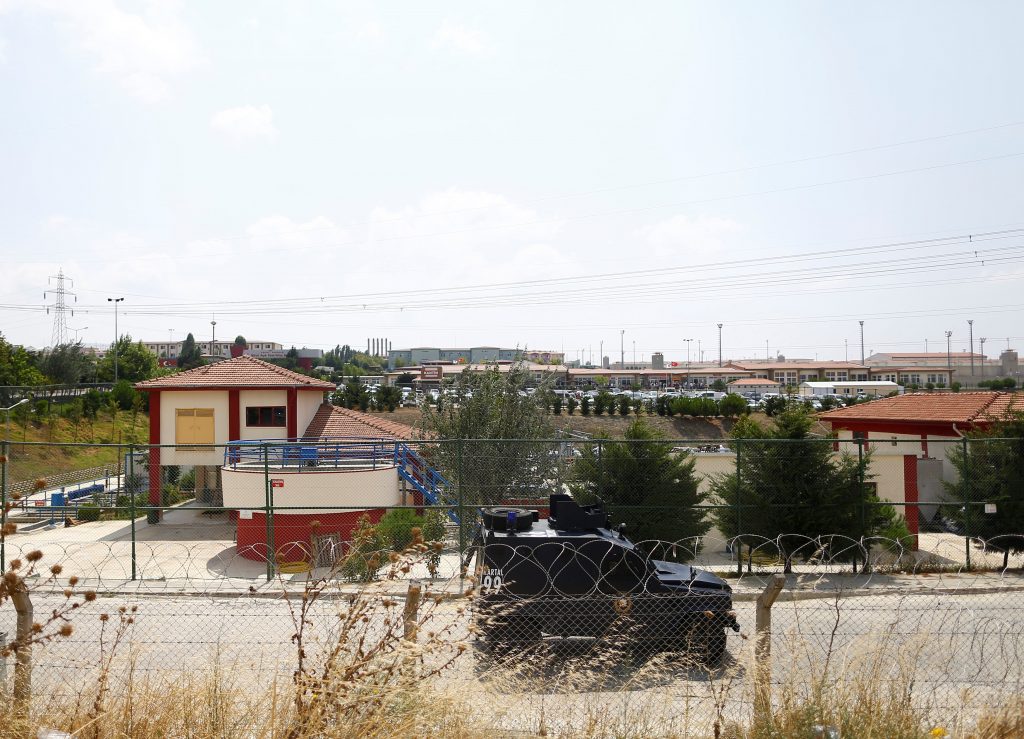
(615, 426)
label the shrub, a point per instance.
(733, 405)
(624, 405)
(556, 405)
(585, 405)
(364, 557)
(571, 404)
(955, 387)
(88, 512)
(395, 528)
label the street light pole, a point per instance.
(600, 359)
(687, 361)
(949, 357)
(719, 345)
(622, 348)
(7, 433)
(213, 343)
(970, 328)
(115, 301)
(982, 342)
(862, 343)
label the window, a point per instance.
(267, 415)
(193, 426)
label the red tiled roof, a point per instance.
(754, 381)
(333, 422)
(240, 372)
(965, 408)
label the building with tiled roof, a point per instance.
(910, 438)
(244, 398)
(793, 372)
(936, 414)
(239, 372)
(332, 422)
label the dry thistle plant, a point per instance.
(361, 663)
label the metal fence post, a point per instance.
(3, 665)
(129, 487)
(3, 505)
(968, 511)
(23, 655)
(863, 503)
(461, 498)
(738, 545)
(600, 469)
(763, 649)
(268, 513)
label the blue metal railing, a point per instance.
(348, 453)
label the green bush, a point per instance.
(366, 553)
(124, 395)
(733, 405)
(585, 405)
(571, 404)
(395, 528)
(624, 405)
(556, 405)
(88, 512)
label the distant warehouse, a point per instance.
(872, 389)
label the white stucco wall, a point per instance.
(885, 471)
(246, 488)
(170, 401)
(308, 403)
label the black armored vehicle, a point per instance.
(573, 580)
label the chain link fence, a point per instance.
(902, 560)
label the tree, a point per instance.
(134, 362)
(585, 406)
(718, 385)
(353, 395)
(67, 364)
(570, 404)
(124, 395)
(775, 405)
(240, 342)
(792, 489)
(503, 453)
(733, 405)
(990, 469)
(654, 491)
(388, 398)
(190, 356)
(16, 368)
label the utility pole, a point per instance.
(634, 352)
(846, 349)
(766, 359)
(862, 343)
(622, 348)
(115, 301)
(600, 359)
(982, 342)
(213, 343)
(719, 345)
(970, 328)
(949, 356)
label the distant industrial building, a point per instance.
(473, 355)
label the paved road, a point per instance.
(940, 644)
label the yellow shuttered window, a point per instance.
(193, 426)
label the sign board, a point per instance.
(267, 353)
(245, 514)
(430, 373)
(276, 482)
(990, 508)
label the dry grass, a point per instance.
(365, 666)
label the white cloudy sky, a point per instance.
(535, 174)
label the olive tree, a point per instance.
(492, 438)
